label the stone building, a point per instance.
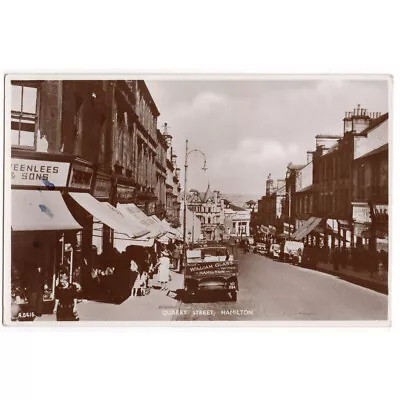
(106, 131)
(370, 194)
(173, 187)
(209, 207)
(237, 219)
(270, 207)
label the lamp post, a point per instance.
(290, 209)
(289, 194)
(187, 153)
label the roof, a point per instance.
(233, 206)
(333, 148)
(294, 166)
(322, 136)
(374, 123)
(381, 149)
(208, 194)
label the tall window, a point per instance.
(23, 115)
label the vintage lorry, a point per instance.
(212, 268)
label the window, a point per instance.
(23, 115)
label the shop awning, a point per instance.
(169, 228)
(306, 228)
(134, 211)
(40, 210)
(109, 215)
(121, 242)
(159, 222)
(164, 238)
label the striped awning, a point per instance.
(306, 228)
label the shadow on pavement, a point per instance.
(203, 297)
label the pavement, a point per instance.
(269, 290)
(362, 278)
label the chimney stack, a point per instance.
(309, 156)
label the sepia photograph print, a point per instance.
(184, 200)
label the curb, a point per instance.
(376, 286)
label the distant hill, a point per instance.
(241, 199)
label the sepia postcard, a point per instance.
(254, 200)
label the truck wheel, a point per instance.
(233, 295)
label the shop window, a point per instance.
(23, 115)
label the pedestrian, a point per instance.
(181, 255)
(175, 258)
(170, 246)
(35, 288)
(373, 262)
(163, 270)
(336, 258)
(343, 257)
(66, 299)
(381, 268)
(134, 277)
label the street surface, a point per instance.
(268, 291)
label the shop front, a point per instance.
(362, 224)
(380, 225)
(102, 234)
(42, 231)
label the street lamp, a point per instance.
(187, 153)
(289, 194)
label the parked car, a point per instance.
(292, 251)
(261, 248)
(274, 250)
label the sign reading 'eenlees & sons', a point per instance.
(38, 173)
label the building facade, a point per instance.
(370, 194)
(173, 187)
(236, 219)
(86, 140)
(270, 206)
(209, 207)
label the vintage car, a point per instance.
(292, 251)
(211, 268)
(261, 248)
(274, 250)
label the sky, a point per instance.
(250, 128)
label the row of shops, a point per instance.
(64, 214)
(369, 230)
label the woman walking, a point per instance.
(66, 299)
(163, 270)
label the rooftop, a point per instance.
(374, 123)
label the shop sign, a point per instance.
(125, 194)
(81, 177)
(361, 230)
(39, 173)
(102, 188)
(381, 213)
(361, 213)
